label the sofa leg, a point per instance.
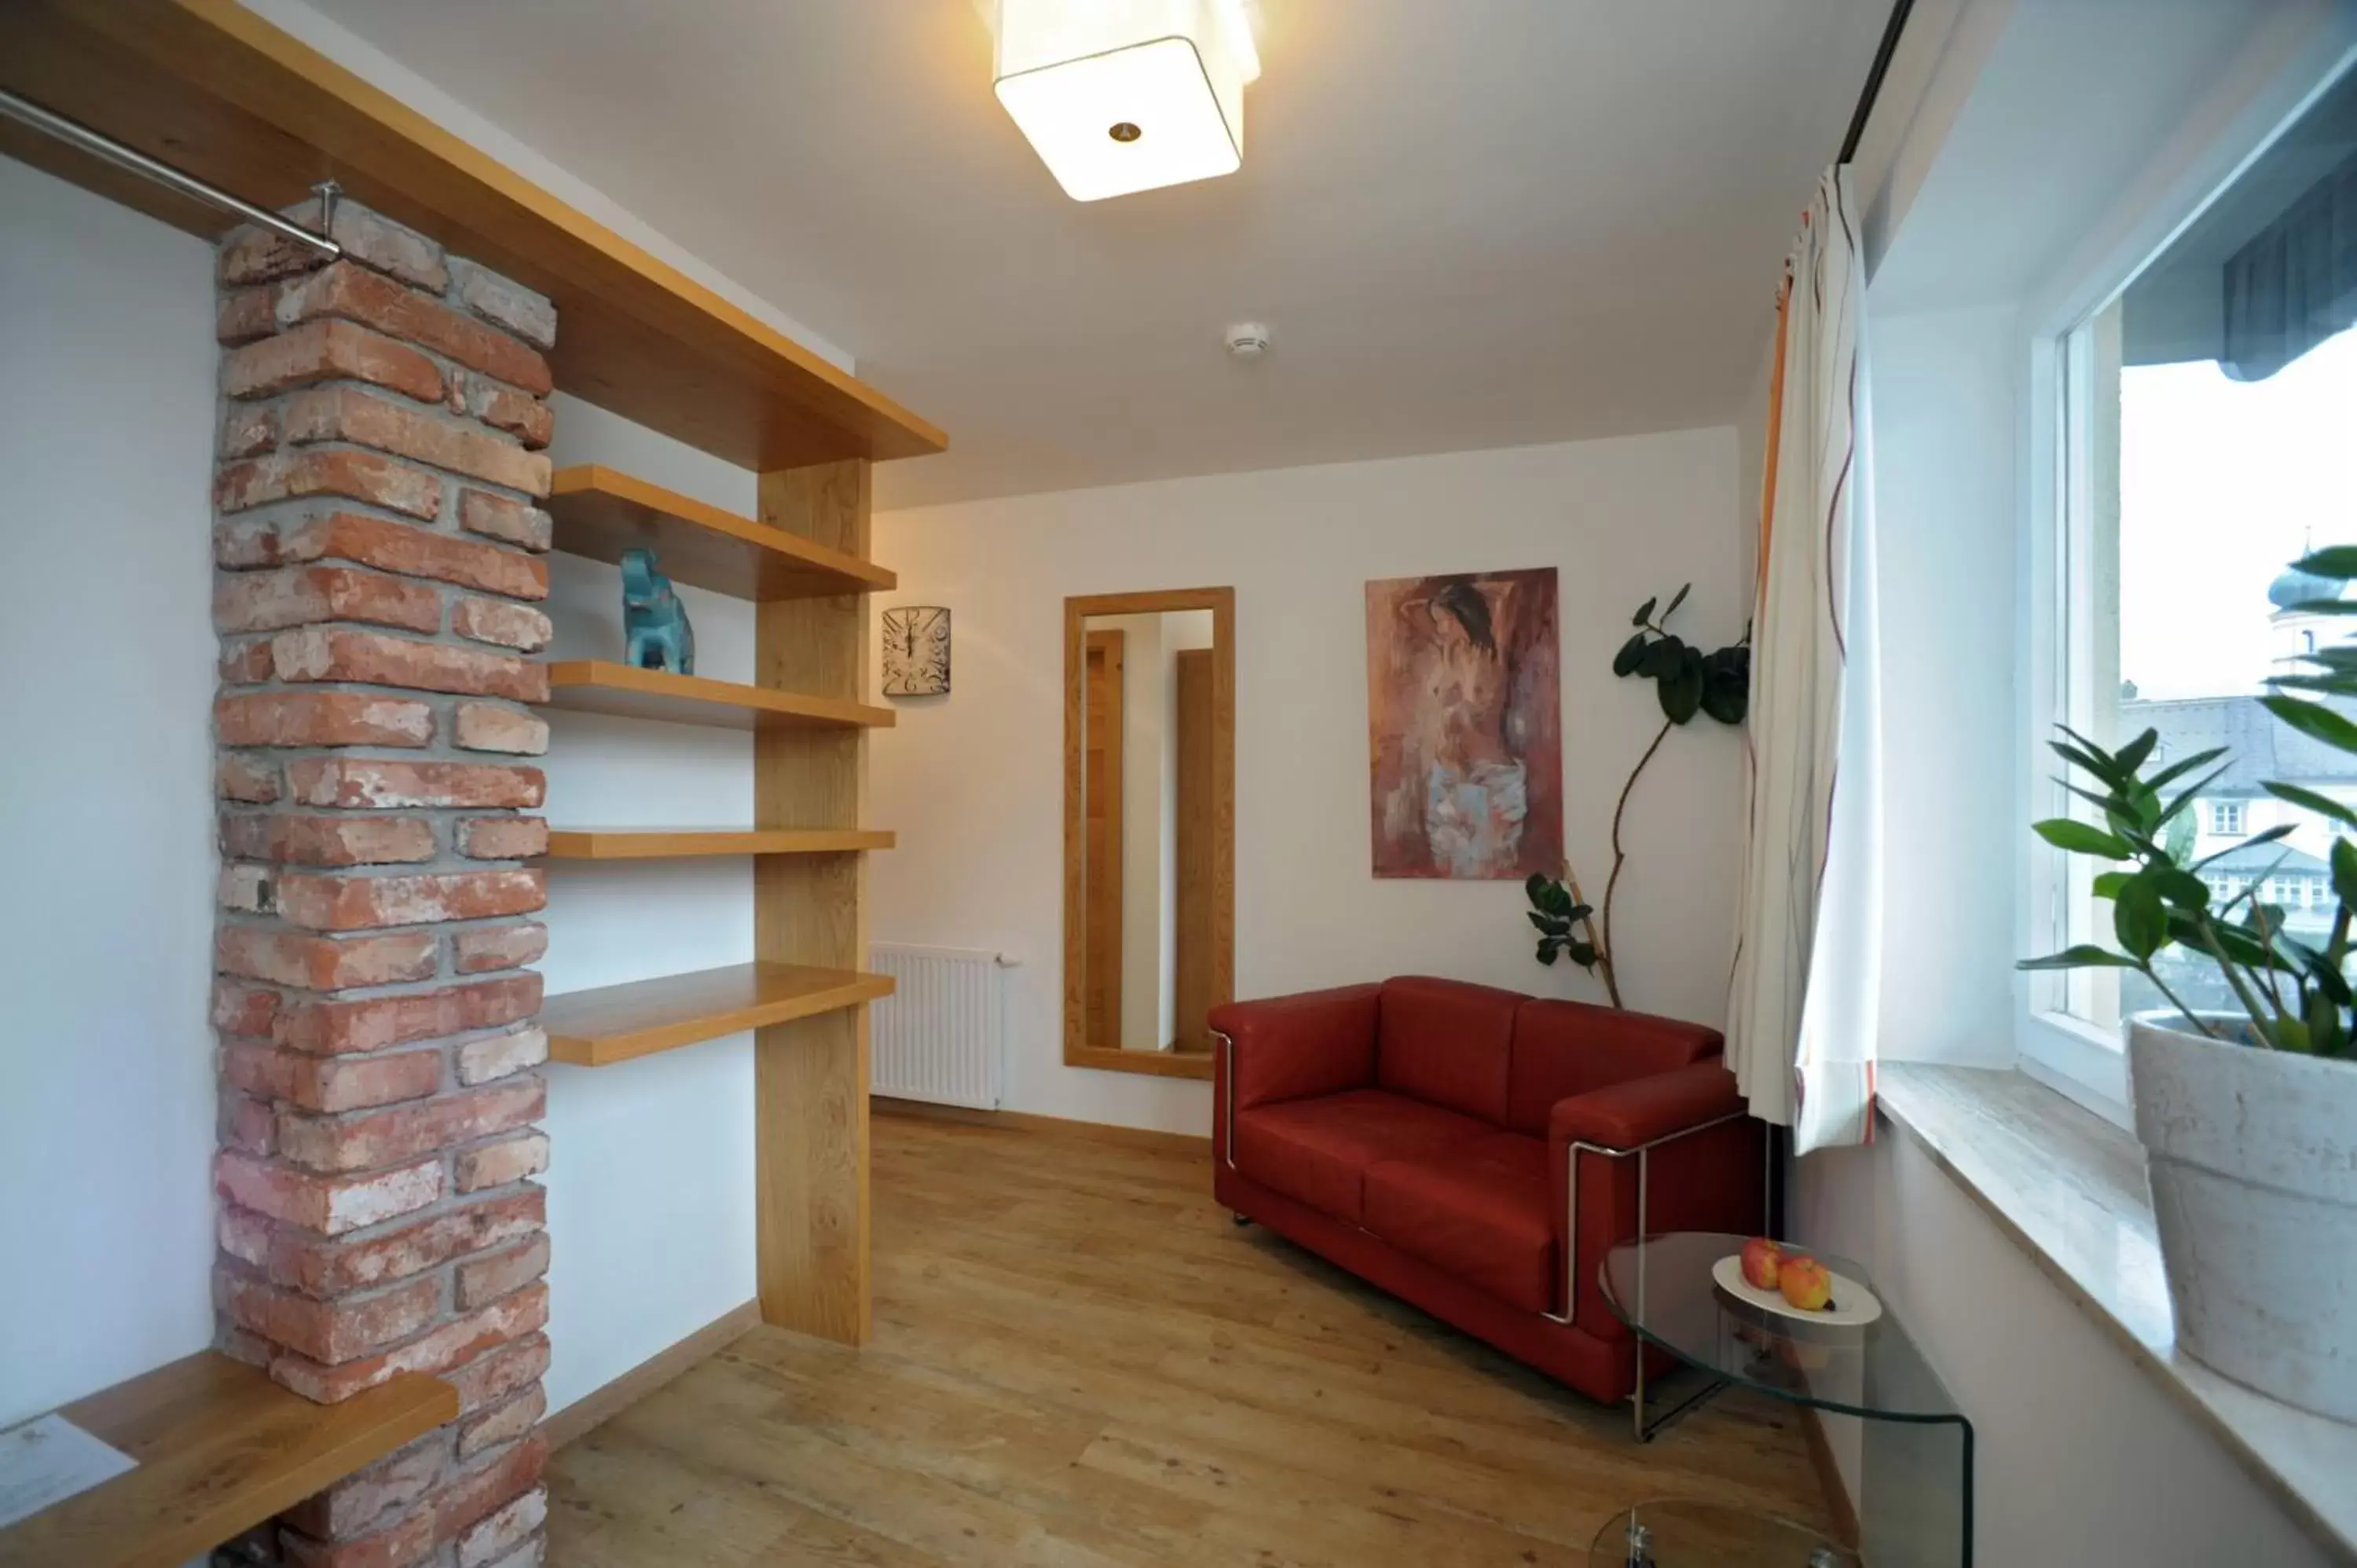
(1239, 1220)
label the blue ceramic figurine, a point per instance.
(653, 620)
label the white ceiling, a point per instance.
(1468, 222)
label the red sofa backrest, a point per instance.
(1563, 1048)
(1446, 1043)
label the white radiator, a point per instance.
(940, 1034)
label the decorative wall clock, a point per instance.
(917, 652)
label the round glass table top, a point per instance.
(1682, 1534)
(1675, 1291)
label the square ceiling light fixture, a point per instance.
(1124, 95)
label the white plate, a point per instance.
(1853, 1306)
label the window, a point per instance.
(2203, 436)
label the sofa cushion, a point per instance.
(1447, 1043)
(1563, 1048)
(1317, 1151)
(1477, 1210)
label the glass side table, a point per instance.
(1915, 1447)
(1681, 1534)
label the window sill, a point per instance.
(2068, 1187)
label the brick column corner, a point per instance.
(378, 553)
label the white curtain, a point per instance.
(1805, 1000)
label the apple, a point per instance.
(1762, 1259)
(1805, 1282)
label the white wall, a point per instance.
(1941, 387)
(974, 784)
(106, 1059)
(651, 1185)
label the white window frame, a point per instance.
(2051, 1044)
(2227, 817)
(2063, 1051)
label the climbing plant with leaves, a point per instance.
(1686, 681)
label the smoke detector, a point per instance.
(1247, 339)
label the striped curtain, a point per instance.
(1804, 1006)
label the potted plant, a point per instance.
(2248, 1117)
(1687, 681)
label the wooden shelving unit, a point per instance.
(619, 1023)
(600, 513)
(804, 563)
(672, 843)
(220, 1448)
(597, 687)
(211, 87)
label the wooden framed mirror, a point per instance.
(1149, 827)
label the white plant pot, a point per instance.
(2252, 1159)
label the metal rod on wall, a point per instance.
(1881, 67)
(77, 134)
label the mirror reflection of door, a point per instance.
(1103, 788)
(1194, 844)
(1147, 838)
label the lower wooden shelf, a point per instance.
(666, 843)
(599, 686)
(220, 1448)
(616, 1023)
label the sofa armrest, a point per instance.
(1702, 1164)
(1287, 1048)
(1637, 1111)
(1294, 1047)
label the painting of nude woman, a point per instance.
(1464, 722)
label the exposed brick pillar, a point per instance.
(377, 545)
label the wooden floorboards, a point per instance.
(1078, 1361)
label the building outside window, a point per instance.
(2208, 421)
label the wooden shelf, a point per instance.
(209, 87)
(597, 687)
(600, 513)
(220, 1448)
(614, 1023)
(664, 843)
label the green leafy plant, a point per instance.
(2294, 994)
(1686, 681)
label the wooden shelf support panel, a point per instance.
(619, 1023)
(673, 843)
(220, 1448)
(810, 1075)
(600, 513)
(599, 686)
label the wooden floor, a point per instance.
(1080, 1360)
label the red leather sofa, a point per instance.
(1476, 1152)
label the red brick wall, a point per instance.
(376, 542)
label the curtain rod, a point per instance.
(1865, 109)
(98, 145)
